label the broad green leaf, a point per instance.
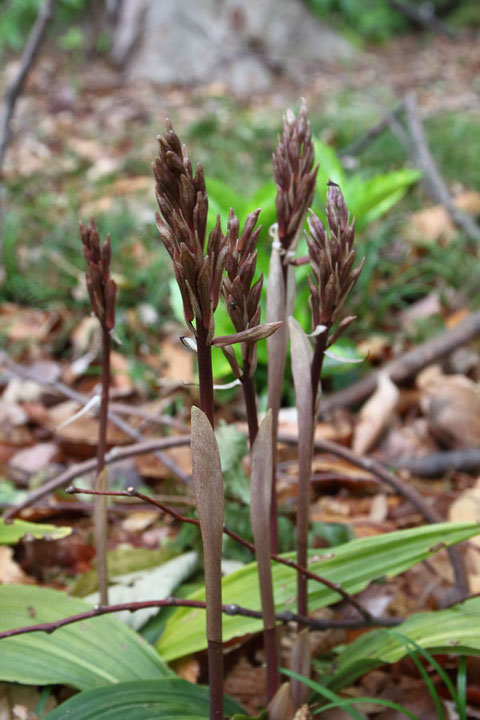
(166, 698)
(11, 533)
(330, 169)
(95, 652)
(456, 630)
(353, 565)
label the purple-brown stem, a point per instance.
(205, 373)
(303, 502)
(248, 385)
(131, 492)
(229, 609)
(101, 521)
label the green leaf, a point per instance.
(87, 654)
(353, 565)
(165, 698)
(11, 533)
(456, 630)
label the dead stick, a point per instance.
(423, 158)
(115, 455)
(231, 609)
(407, 365)
(14, 90)
(131, 492)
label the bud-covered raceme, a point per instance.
(182, 222)
(295, 177)
(243, 298)
(101, 287)
(331, 259)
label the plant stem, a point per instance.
(205, 372)
(100, 509)
(215, 678)
(303, 495)
(213, 574)
(249, 395)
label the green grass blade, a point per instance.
(462, 687)
(423, 672)
(325, 692)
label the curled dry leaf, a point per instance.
(281, 707)
(451, 404)
(209, 496)
(301, 658)
(375, 415)
(261, 493)
(259, 332)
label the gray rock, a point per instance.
(241, 43)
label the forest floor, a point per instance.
(83, 144)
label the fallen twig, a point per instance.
(231, 609)
(423, 158)
(131, 492)
(437, 464)
(115, 455)
(407, 365)
(14, 90)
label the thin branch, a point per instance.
(115, 455)
(14, 90)
(132, 492)
(435, 183)
(230, 609)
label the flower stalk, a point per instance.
(295, 178)
(102, 291)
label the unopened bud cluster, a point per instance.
(295, 178)
(332, 256)
(182, 222)
(101, 287)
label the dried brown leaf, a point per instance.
(208, 487)
(375, 415)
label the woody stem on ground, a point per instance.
(100, 510)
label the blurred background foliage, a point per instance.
(41, 250)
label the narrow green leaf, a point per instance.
(165, 698)
(353, 565)
(11, 533)
(456, 630)
(88, 654)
